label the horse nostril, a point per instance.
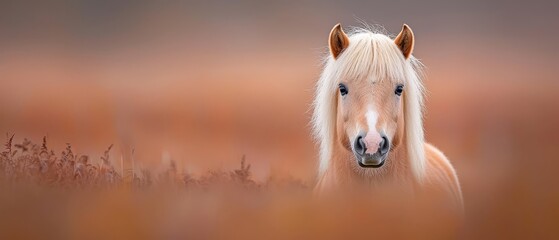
(360, 146)
(384, 145)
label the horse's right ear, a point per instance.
(338, 40)
(405, 41)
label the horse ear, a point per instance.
(405, 41)
(338, 40)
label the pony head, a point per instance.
(369, 101)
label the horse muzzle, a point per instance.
(366, 159)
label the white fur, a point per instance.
(374, 56)
(372, 117)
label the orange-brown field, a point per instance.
(67, 195)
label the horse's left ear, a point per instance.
(405, 41)
(338, 40)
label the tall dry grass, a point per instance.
(28, 162)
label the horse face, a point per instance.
(369, 108)
(368, 114)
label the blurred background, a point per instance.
(204, 82)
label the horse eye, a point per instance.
(343, 89)
(399, 90)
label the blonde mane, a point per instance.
(372, 55)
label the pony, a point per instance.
(367, 116)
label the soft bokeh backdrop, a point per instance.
(204, 82)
